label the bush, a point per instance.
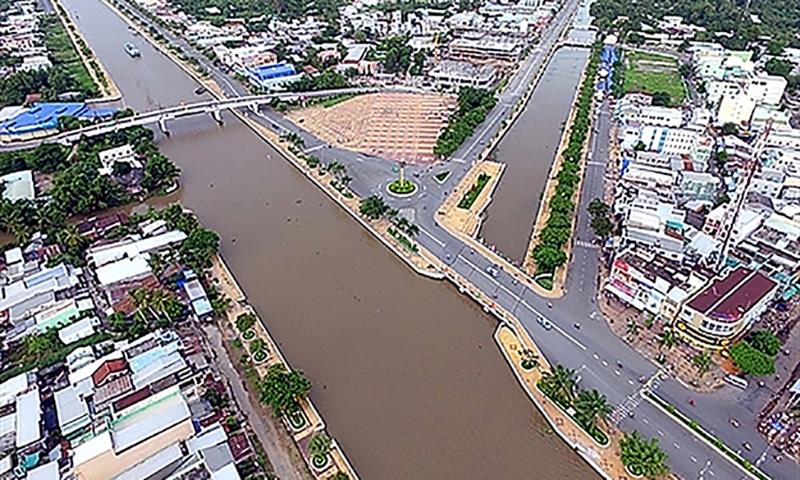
(750, 360)
(245, 321)
(472, 195)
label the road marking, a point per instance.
(314, 149)
(693, 459)
(630, 382)
(595, 356)
(674, 444)
(660, 433)
(558, 329)
(616, 372)
(605, 364)
(441, 243)
(646, 421)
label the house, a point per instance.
(18, 186)
(121, 154)
(726, 308)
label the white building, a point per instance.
(452, 74)
(123, 154)
(736, 109)
(766, 89)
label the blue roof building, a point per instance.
(274, 76)
(42, 118)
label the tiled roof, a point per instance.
(106, 369)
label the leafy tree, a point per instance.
(598, 207)
(591, 407)
(562, 205)
(729, 128)
(396, 54)
(548, 258)
(560, 383)
(80, 189)
(198, 248)
(765, 342)
(160, 172)
(632, 329)
(529, 359)
(750, 360)
(283, 390)
(780, 67)
(661, 99)
(257, 345)
(72, 240)
(555, 237)
(373, 207)
(643, 457)
(602, 226)
(340, 476)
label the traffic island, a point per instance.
(402, 188)
(463, 209)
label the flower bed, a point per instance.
(249, 334)
(319, 462)
(297, 420)
(260, 356)
(593, 431)
(402, 187)
(472, 194)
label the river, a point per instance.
(405, 370)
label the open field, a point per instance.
(653, 73)
(397, 126)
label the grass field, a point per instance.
(653, 73)
(64, 53)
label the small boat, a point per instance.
(131, 50)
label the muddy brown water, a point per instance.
(528, 150)
(405, 370)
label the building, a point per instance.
(649, 282)
(726, 308)
(766, 89)
(35, 62)
(121, 154)
(699, 185)
(41, 119)
(655, 224)
(273, 77)
(453, 74)
(736, 108)
(18, 186)
(485, 48)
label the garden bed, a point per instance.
(472, 194)
(297, 420)
(598, 435)
(402, 187)
(319, 462)
(260, 356)
(249, 334)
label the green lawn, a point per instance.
(653, 73)
(64, 53)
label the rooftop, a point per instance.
(44, 116)
(18, 186)
(28, 417)
(149, 418)
(729, 298)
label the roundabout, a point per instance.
(402, 188)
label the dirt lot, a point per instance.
(396, 126)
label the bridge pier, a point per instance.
(162, 125)
(216, 114)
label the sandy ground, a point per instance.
(397, 126)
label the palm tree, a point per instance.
(143, 301)
(71, 238)
(402, 223)
(642, 457)
(703, 363)
(632, 329)
(560, 382)
(667, 339)
(161, 300)
(591, 406)
(412, 230)
(345, 180)
(529, 359)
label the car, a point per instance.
(545, 323)
(493, 271)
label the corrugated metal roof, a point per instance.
(28, 417)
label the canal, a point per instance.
(528, 150)
(405, 370)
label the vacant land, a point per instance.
(651, 73)
(397, 126)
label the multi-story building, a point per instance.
(726, 308)
(735, 108)
(485, 48)
(452, 74)
(650, 282)
(658, 225)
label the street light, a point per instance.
(704, 469)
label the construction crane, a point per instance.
(751, 166)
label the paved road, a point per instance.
(602, 360)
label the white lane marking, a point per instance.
(605, 363)
(646, 421)
(674, 444)
(693, 459)
(314, 149)
(595, 356)
(441, 243)
(660, 433)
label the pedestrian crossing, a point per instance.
(585, 244)
(632, 401)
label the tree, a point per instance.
(412, 230)
(750, 360)
(779, 67)
(160, 172)
(319, 446)
(598, 207)
(283, 390)
(591, 407)
(529, 359)
(765, 342)
(245, 321)
(661, 99)
(555, 237)
(667, 339)
(729, 128)
(340, 476)
(632, 329)
(548, 258)
(560, 383)
(72, 239)
(702, 362)
(643, 457)
(602, 226)
(373, 207)
(198, 249)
